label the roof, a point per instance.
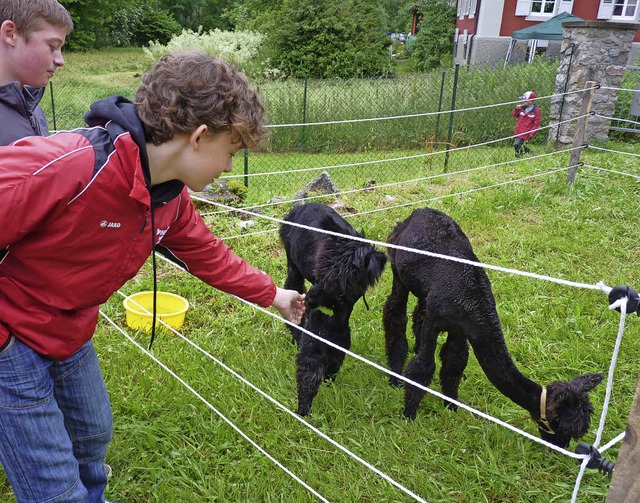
(551, 29)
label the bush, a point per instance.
(432, 46)
(240, 48)
(331, 39)
(139, 24)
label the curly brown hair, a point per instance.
(183, 91)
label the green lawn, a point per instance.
(169, 446)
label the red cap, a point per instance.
(529, 95)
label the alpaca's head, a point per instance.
(347, 269)
(568, 409)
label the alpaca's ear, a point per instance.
(588, 381)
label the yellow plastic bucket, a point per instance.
(170, 308)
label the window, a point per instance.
(541, 9)
(625, 9)
(544, 6)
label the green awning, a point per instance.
(551, 29)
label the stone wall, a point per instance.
(590, 51)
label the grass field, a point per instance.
(170, 446)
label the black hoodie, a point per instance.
(118, 114)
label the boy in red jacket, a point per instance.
(527, 123)
(81, 212)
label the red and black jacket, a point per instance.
(75, 220)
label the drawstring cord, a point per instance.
(155, 278)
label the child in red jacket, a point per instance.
(527, 124)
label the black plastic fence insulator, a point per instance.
(596, 460)
(633, 299)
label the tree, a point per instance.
(139, 23)
(328, 39)
(196, 14)
(433, 45)
(91, 19)
(396, 15)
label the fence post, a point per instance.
(625, 481)
(53, 106)
(453, 107)
(440, 106)
(246, 167)
(564, 91)
(578, 139)
(304, 110)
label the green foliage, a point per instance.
(396, 17)
(195, 14)
(330, 39)
(155, 25)
(238, 189)
(432, 46)
(238, 47)
(91, 19)
(138, 24)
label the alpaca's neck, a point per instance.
(495, 360)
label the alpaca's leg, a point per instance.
(309, 373)
(294, 281)
(454, 356)
(420, 369)
(417, 319)
(394, 318)
(336, 358)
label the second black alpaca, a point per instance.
(456, 298)
(340, 271)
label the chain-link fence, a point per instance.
(628, 105)
(364, 129)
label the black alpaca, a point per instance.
(317, 361)
(456, 298)
(340, 271)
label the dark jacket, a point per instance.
(20, 112)
(76, 218)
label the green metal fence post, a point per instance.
(246, 167)
(53, 106)
(453, 107)
(304, 109)
(440, 106)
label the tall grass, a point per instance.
(86, 78)
(169, 446)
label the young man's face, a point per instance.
(33, 62)
(213, 157)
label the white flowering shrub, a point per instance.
(240, 48)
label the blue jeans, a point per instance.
(55, 425)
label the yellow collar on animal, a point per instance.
(543, 422)
(325, 310)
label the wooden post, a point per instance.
(578, 139)
(625, 481)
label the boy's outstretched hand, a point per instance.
(290, 304)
